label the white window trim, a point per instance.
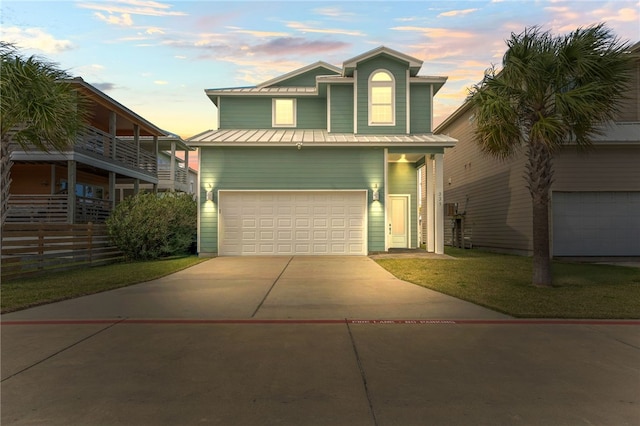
(372, 84)
(273, 113)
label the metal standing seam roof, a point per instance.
(263, 90)
(314, 137)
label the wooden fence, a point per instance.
(31, 249)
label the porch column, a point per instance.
(112, 190)
(155, 151)
(172, 168)
(439, 208)
(136, 140)
(53, 179)
(112, 133)
(136, 186)
(428, 164)
(187, 176)
(71, 191)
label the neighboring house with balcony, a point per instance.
(595, 196)
(174, 174)
(78, 185)
(323, 160)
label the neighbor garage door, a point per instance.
(596, 223)
(291, 222)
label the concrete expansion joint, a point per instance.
(84, 339)
(271, 288)
(362, 375)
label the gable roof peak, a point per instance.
(350, 64)
(299, 71)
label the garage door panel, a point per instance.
(338, 222)
(338, 235)
(296, 222)
(248, 223)
(320, 235)
(596, 223)
(302, 235)
(320, 223)
(302, 223)
(283, 222)
(265, 248)
(286, 235)
(320, 249)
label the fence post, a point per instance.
(40, 246)
(90, 238)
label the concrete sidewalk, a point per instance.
(264, 341)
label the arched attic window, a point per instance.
(382, 97)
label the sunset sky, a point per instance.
(157, 57)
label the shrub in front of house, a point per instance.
(149, 226)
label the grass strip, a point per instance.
(27, 292)
(503, 283)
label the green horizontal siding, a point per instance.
(341, 108)
(312, 113)
(420, 108)
(403, 180)
(399, 71)
(287, 168)
(240, 112)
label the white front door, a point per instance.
(398, 221)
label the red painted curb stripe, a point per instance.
(327, 321)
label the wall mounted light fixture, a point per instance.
(376, 193)
(210, 193)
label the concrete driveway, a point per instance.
(328, 287)
(308, 341)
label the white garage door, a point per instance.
(291, 222)
(596, 223)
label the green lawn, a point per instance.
(502, 283)
(26, 292)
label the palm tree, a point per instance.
(551, 91)
(37, 110)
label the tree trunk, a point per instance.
(541, 255)
(539, 176)
(5, 179)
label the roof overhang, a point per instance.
(619, 134)
(103, 105)
(165, 142)
(315, 137)
(299, 71)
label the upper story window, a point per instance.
(283, 113)
(382, 95)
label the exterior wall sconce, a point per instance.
(376, 193)
(210, 193)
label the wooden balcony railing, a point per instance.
(37, 208)
(96, 142)
(92, 210)
(99, 144)
(164, 174)
(55, 209)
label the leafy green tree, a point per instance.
(37, 109)
(148, 226)
(551, 91)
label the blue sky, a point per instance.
(157, 57)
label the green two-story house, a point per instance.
(324, 161)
